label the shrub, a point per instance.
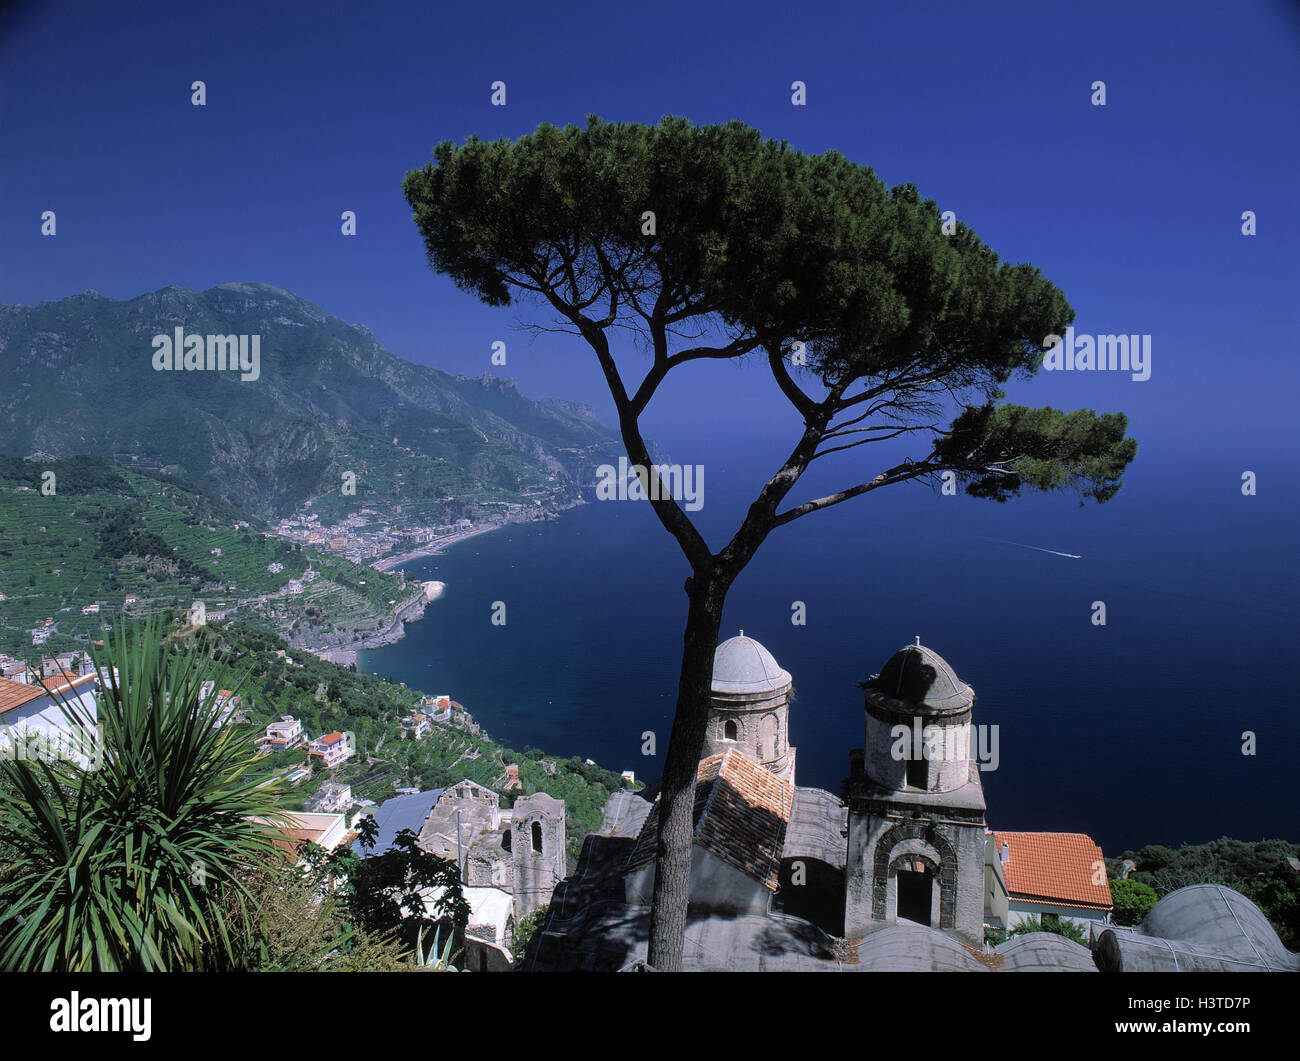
(1132, 900)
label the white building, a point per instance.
(283, 735)
(324, 830)
(32, 717)
(332, 796)
(227, 703)
(1051, 876)
(332, 749)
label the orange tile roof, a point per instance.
(1054, 868)
(15, 694)
(287, 839)
(741, 814)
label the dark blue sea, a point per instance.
(1131, 732)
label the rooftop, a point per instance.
(921, 677)
(741, 665)
(15, 694)
(1204, 927)
(741, 815)
(1055, 868)
(396, 814)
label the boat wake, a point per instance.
(1039, 548)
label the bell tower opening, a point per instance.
(914, 886)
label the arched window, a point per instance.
(730, 731)
(505, 840)
(537, 837)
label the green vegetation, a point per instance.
(139, 864)
(1132, 900)
(330, 400)
(300, 930)
(526, 930)
(1062, 926)
(107, 533)
(1259, 870)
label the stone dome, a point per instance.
(743, 667)
(921, 677)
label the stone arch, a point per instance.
(910, 838)
(769, 737)
(730, 730)
(902, 856)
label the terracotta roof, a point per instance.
(1054, 868)
(15, 694)
(741, 814)
(331, 738)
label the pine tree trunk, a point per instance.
(677, 789)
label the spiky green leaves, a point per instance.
(136, 865)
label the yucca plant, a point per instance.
(437, 959)
(135, 863)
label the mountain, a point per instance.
(327, 400)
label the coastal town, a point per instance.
(365, 537)
(322, 606)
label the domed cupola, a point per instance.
(918, 723)
(751, 694)
(919, 680)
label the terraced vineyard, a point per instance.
(83, 532)
(324, 696)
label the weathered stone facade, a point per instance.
(537, 849)
(916, 819)
(520, 851)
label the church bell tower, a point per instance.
(916, 804)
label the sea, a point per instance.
(1173, 721)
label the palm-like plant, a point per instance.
(136, 864)
(438, 959)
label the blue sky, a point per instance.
(1133, 209)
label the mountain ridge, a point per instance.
(329, 399)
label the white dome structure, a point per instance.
(751, 695)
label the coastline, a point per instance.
(410, 610)
(391, 563)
